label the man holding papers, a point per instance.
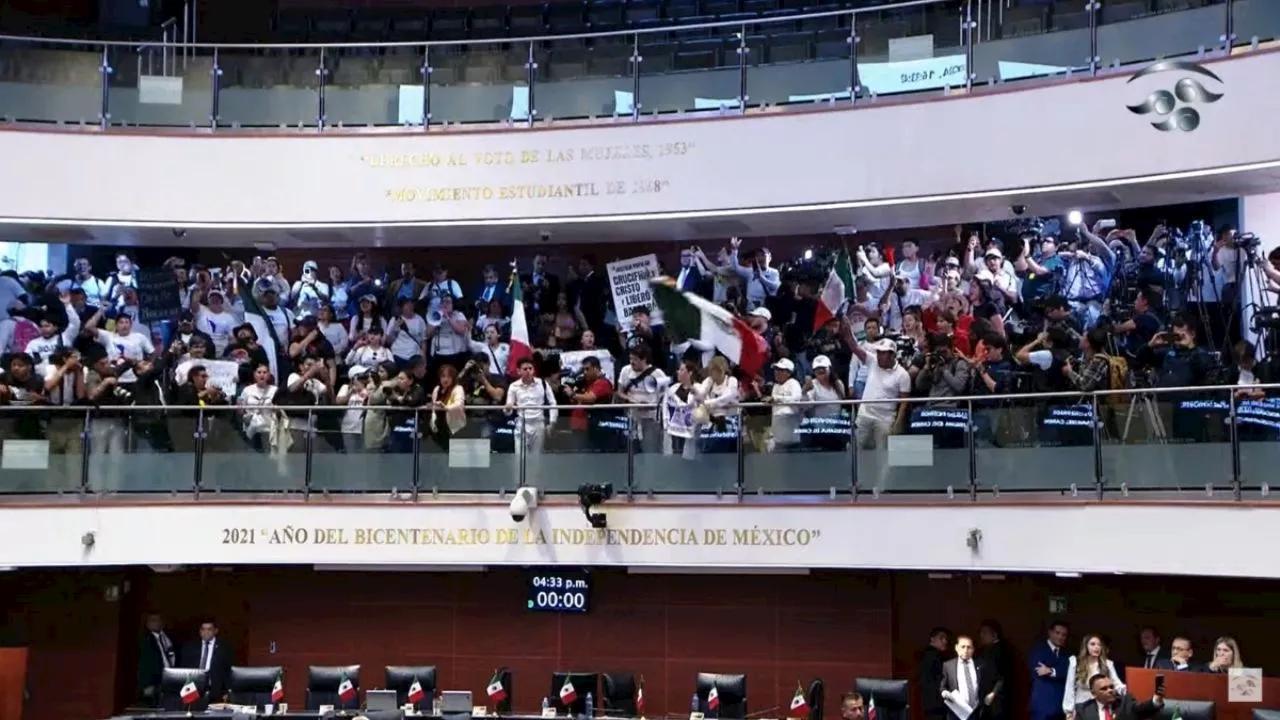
(969, 687)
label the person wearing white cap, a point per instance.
(355, 395)
(825, 386)
(882, 411)
(998, 287)
(786, 416)
(310, 292)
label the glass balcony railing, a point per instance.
(1190, 442)
(773, 59)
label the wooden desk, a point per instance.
(1201, 686)
(13, 681)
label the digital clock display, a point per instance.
(559, 591)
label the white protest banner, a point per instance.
(223, 374)
(678, 418)
(629, 280)
(571, 362)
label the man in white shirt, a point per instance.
(129, 346)
(406, 332)
(641, 383)
(882, 412)
(215, 321)
(526, 399)
(54, 334)
(82, 278)
(280, 318)
(786, 416)
(441, 287)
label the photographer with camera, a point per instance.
(596, 428)
(1137, 330)
(1179, 361)
(197, 391)
(108, 427)
(310, 292)
(1089, 264)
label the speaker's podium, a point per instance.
(1206, 687)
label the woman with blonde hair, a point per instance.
(1226, 655)
(716, 405)
(1091, 660)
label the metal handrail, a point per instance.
(675, 27)
(1028, 397)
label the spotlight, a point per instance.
(1075, 217)
(808, 254)
(589, 496)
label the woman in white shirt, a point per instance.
(1092, 660)
(493, 348)
(786, 416)
(332, 330)
(406, 332)
(365, 320)
(912, 267)
(256, 412)
(678, 402)
(306, 388)
(368, 349)
(717, 398)
(449, 335)
(355, 395)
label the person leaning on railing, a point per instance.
(196, 392)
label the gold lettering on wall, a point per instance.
(754, 536)
(560, 189)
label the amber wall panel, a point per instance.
(666, 628)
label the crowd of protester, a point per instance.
(1090, 309)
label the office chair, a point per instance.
(1188, 710)
(1259, 714)
(323, 682)
(892, 697)
(252, 685)
(731, 690)
(620, 694)
(815, 698)
(401, 677)
(172, 680)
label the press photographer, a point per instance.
(1178, 361)
(943, 374)
(600, 430)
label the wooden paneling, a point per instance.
(666, 628)
(71, 625)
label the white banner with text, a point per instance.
(1140, 124)
(868, 535)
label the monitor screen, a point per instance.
(559, 591)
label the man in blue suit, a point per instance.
(1048, 662)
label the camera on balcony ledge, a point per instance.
(591, 495)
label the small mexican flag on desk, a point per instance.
(415, 692)
(346, 690)
(713, 699)
(495, 691)
(277, 690)
(799, 705)
(871, 709)
(640, 698)
(567, 693)
(189, 693)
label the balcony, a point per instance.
(1183, 444)
(712, 61)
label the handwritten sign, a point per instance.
(158, 296)
(571, 362)
(629, 281)
(223, 374)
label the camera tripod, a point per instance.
(1150, 413)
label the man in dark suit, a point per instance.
(929, 674)
(1180, 658)
(1152, 648)
(1107, 706)
(995, 652)
(969, 682)
(1048, 661)
(155, 653)
(541, 287)
(212, 655)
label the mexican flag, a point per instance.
(640, 699)
(520, 347)
(689, 317)
(495, 691)
(415, 692)
(871, 708)
(346, 690)
(256, 316)
(567, 693)
(277, 690)
(189, 692)
(838, 289)
(799, 705)
(713, 699)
